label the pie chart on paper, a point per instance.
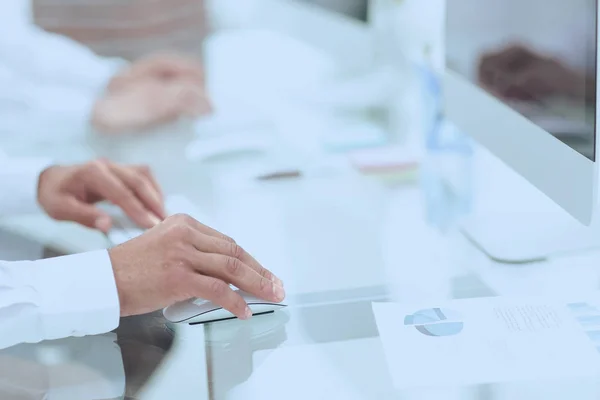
(436, 322)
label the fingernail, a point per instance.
(247, 313)
(157, 198)
(103, 223)
(278, 281)
(279, 293)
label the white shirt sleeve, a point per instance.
(49, 299)
(56, 298)
(49, 56)
(18, 184)
(25, 98)
(48, 71)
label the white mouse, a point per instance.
(198, 311)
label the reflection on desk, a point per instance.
(106, 366)
(235, 341)
(77, 368)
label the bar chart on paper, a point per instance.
(436, 322)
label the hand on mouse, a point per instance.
(181, 259)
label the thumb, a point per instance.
(86, 214)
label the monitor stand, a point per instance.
(525, 237)
(513, 222)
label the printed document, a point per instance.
(485, 340)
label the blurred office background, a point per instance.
(353, 8)
(307, 127)
(135, 28)
(128, 29)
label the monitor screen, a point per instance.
(536, 56)
(352, 8)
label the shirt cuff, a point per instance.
(63, 103)
(74, 103)
(98, 77)
(99, 83)
(20, 178)
(77, 295)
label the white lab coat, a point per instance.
(54, 298)
(41, 72)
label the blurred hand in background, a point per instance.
(152, 91)
(123, 66)
(161, 67)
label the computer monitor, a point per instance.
(521, 80)
(356, 9)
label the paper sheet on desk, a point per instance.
(485, 340)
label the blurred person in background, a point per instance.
(73, 59)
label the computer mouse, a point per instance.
(199, 311)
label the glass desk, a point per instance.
(339, 244)
(368, 243)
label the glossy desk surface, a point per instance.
(338, 239)
(339, 244)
